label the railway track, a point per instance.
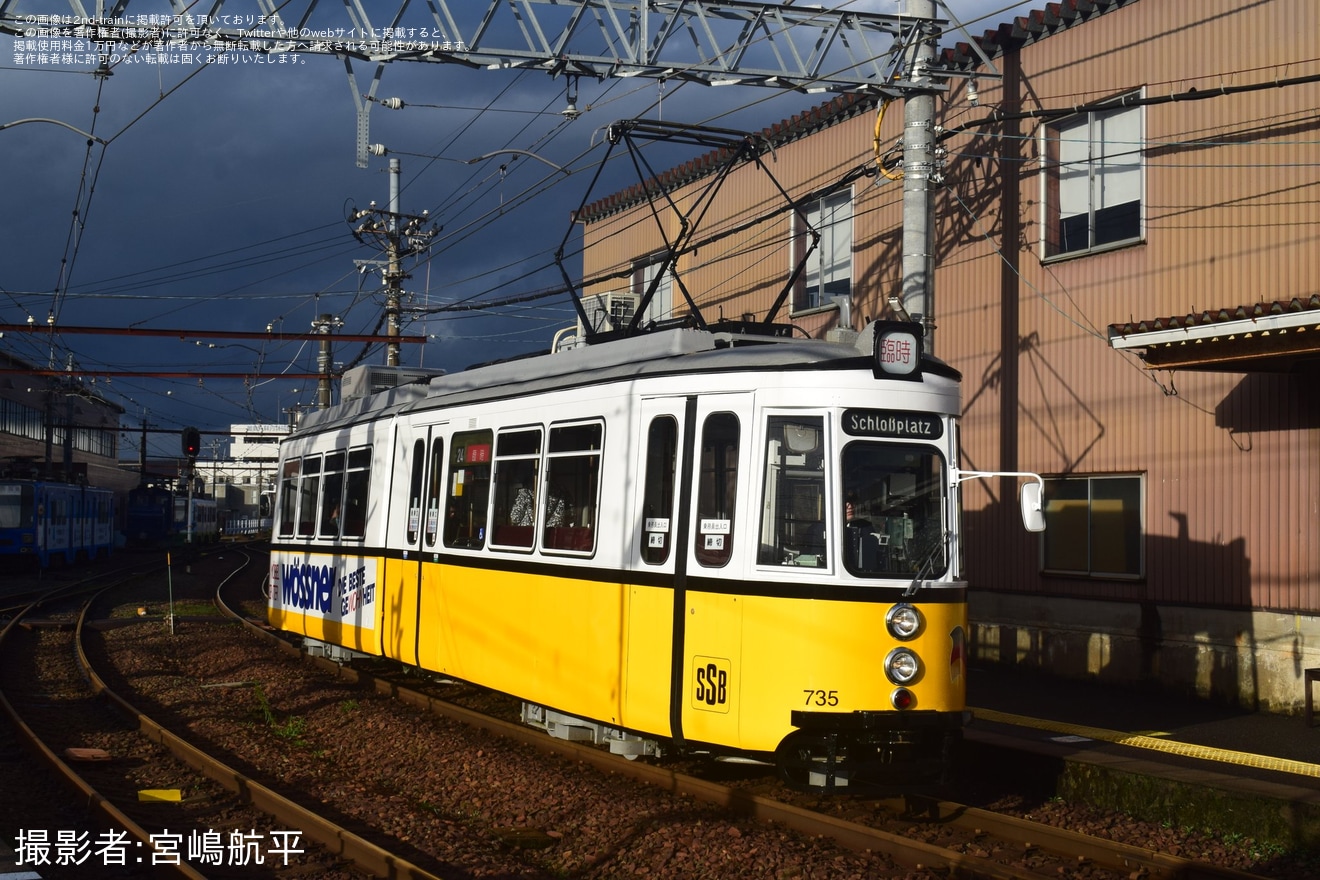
(919, 839)
(971, 842)
(129, 807)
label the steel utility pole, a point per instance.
(393, 276)
(324, 326)
(919, 171)
(400, 235)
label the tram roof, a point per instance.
(670, 352)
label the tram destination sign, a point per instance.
(897, 353)
(895, 423)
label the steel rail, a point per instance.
(99, 804)
(335, 838)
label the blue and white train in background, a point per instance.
(162, 514)
(55, 522)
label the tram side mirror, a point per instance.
(1033, 513)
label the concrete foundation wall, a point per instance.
(1251, 659)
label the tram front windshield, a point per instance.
(893, 522)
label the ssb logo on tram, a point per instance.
(711, 679)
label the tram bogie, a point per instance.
(712, 542)
(573, 729)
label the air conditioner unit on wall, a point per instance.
(607, 311)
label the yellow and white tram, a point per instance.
(687, 540)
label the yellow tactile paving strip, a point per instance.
(1142, 741)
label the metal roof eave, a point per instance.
(1265, 342)
(1308, 319)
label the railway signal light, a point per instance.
(192, 443)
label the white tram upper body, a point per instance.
(721, 543)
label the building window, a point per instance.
(828, 272)
(644, 276)
(1093, 180)
(1094, 526)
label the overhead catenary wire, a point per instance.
(498, 267)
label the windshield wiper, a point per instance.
(926, 565)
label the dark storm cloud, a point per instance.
(220, 202)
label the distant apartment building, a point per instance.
(240, 470)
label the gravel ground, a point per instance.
(456, 800)
(465, 804)
(474, 805)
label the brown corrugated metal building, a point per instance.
(50, 427)
(1126, 274)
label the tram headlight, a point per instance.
(903, 622)
(902, 666)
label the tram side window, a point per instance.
(572, 479)
(894, 503)
(434, 487)
(793, 509)
(517, 462)
(469, 489)
(332, 495)
(16, 506)
(415, 491)
(288, 497)
(357, 484)
(658, 491)
(717, 489)
(308, 489)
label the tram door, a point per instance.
(709, 618)
(410, 605)
(655, 556)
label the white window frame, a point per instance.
(829, 270)
(644, 272)
(1094, 172)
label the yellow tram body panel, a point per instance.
(648, 650)
(751, 660)
(554, 640)
(605, 651)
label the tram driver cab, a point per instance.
(893, 510)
